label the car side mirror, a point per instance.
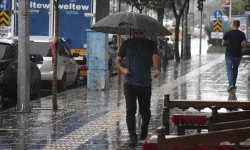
(68, 41)
(75, 55)
(36, 58)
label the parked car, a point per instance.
(196, 33)
(8, 72)
(67, 69)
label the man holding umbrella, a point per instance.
(140, 54)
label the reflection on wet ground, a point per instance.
(96, 119)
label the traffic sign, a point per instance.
(4, 30)
(218, 15)
(4, 4)
(225, 4)
(217, 26)
(216, 35)
(4, 18)
(247, 9)
(247, 12)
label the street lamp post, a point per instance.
(193, 14)
(23, 71)
(200, 8)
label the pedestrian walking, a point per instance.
(140, 54)
(234, 40)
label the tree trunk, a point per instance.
(160, 14)
(140, 10)
(182, 26)
(177, 30)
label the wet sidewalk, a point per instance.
(91, 120)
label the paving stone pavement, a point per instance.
(96, 119)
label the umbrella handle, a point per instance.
(129, 50)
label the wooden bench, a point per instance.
(228, 120)
(206, 139)
(197, 104)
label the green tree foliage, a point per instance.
(238, 7)
(158, 6)
(178, 7)
(138, 4)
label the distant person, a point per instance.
(234, 40)
(141, 53)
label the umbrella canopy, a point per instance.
(122, 24)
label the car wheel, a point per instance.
(37, 94)
(62, 83)
(77, 80)
(1, 100)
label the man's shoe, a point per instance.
(144, 133)
(133, 140)
(230, 87)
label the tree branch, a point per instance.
(183, 7)
(174, 8)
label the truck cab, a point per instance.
(81, 61)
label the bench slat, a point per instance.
(228, 125)
(205, 139)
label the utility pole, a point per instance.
(193, 14)
(200, 8)
(54, 58)
(200, 33)
(119, 46)
(94, 12)
(185, 32)
(230, 11)
(13, 21)
(23, 71)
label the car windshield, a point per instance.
(41, 48)
(6, 52)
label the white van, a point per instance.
(67, 68)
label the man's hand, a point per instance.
(244, 43)
(125, 71)
(155, 64)
(156, 73)
(223, 42)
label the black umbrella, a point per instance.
(122, 23)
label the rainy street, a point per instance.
(96, 120)
(124, 74)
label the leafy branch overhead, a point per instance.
(178, 5)
(138, 4)
(157, 4)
